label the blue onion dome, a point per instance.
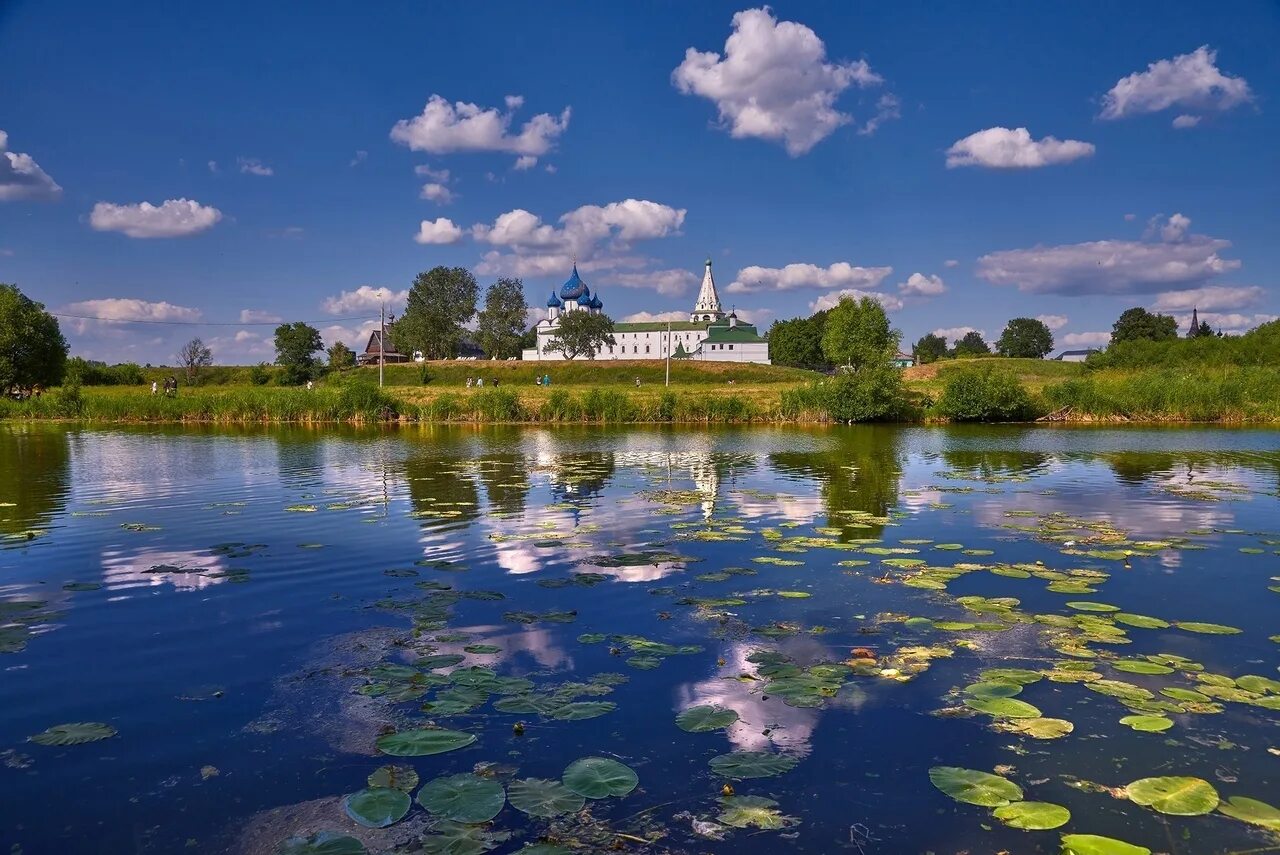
(596, 303)
(573, 287)
(553, 302)
(585, 300)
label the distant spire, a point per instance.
(707, 307)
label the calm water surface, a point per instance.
(250, 610)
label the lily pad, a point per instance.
(463, 798)
(1003, 707)
(1040, 728)
(377, 807)
(1251, 811)
(542, 797)
(420, 743)
(1140, 621)
(1207, 628)
(1174, 795)
(75, 733)
(323, 843)
(703, 719)
(1147, 723)
(599, 777)
(751, 764)
(396, 777)
(581, 710)
(974, 787)
(993, 689)
(1094, 844)
(1032, 816)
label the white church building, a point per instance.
(708, 335)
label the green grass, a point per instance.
(1175, 394)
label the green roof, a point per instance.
(740, 333)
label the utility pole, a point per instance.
(382, 341)
(668, 353)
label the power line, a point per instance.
(200, 323)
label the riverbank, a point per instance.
(699, 394)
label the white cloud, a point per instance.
(525, 161)
(954, 334)
(830, 301)
(550, 168)
(172, 218)
(1231, 323)
(951, 262)
(117, 310)
(213, 167)
(514, 102)
(253, 166)
(257, 316)
(599, 236)
(441, 230)
(654, 317)
(437, 193)
(888, 108)
(1185, 121)
(842, 274)
(442, 128)
(1053, 322)
(1191, 81)
(244, 335)
(6, 251)
(773, 82)
(21, 178)
(671, 282)
(1013, 148)
(439, 175)
(360, 157)
(1112, 266)
(1211, 298)
(1129, 218)
(366, 298)
(920, 285)
(1086, 339)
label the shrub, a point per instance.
(560, 406)
(608, 405)
(496, 405)
(984, 395)
(259, 375)
(873, 394)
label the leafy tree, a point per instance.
(1027, 338)
(1137, 324)
(32, 349)
(930, 348)
(873, 393)
(340, 356)
(1203, 330)
(581, 334)
(193, 356)
(798, 342)
(973, 344)
(984, 395)
(441, 300)
(502, 320)
(857, 334)
(296, 344)
(529, 339)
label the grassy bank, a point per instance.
(586, 393)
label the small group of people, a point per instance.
(170, 387)
(478, 382)
(542, 379)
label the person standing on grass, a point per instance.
(153, 387)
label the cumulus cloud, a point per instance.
(1211, 298)
(439, 231)
(1013, 148)
(525, 161)
(1232, 323)
(172, 218)
(830, 301)
(437, 193)
(21, 178)
(842, 274)
(439, 175)
(257, 316)
(118, 310)
(774, 82)
(920, 285)
(888, 108)
(654, 317)
(954, 334)
(1185, 121)
(443, 128)
(1053, 322)
(1191, 81)
(1086, 339)
(599, 236)
(671, 282)
(253, 166)
(1178, 262)
(366, 298)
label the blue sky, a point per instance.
(292, 163)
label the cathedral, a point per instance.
(708, 335)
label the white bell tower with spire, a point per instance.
(707, 309)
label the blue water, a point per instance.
(233, 673)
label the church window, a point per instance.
(646, 348)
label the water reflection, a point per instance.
(858, 470)
(35, 470)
